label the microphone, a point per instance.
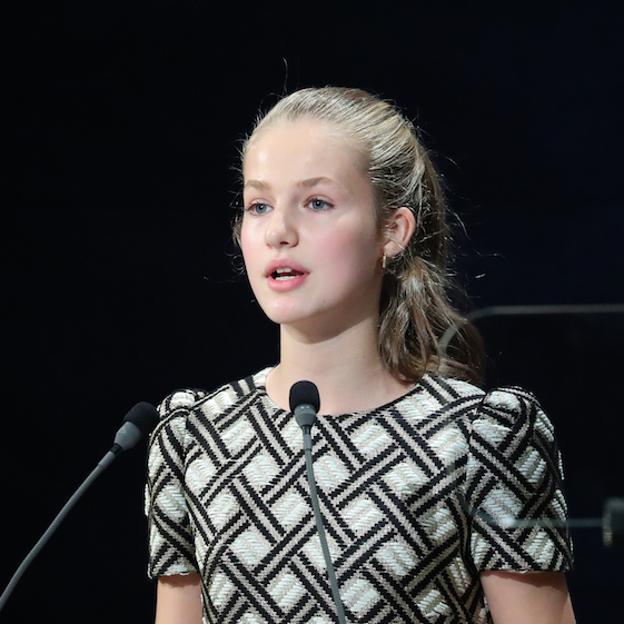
(138, 422)
(305, 402)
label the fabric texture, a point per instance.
(418, 496)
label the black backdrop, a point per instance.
(120, 284)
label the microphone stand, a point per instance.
(137, 422)
(104, 463)
(305, 416)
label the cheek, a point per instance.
(350, 254)
(249, 245)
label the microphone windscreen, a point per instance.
(144, 416)
(304, 392)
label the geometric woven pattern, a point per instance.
(417, 497)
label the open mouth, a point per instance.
(282, 275)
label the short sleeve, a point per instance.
(170, 540)
(514, 486)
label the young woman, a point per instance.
(421, 474)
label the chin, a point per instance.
(326, 315)
(281, 312)
(285, 317)
(314, 324)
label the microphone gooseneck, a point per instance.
(304, 403)
(137, 423)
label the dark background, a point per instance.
(120, 284)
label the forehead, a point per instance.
(303, 146)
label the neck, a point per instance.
(345, 366)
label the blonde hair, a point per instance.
(415, 309)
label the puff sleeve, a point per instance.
(514, 493)
(170, 540)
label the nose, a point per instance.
(281, 230)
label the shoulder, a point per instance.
(181, 403)
(442, 396)
(192, 405)
(510, 400)
(492, 411)
(511, 407)
(510, 421)
(173, 411)
(233, 394)
(450, 388)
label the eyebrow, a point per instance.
(263, 186)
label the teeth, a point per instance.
(285, 273)
(283, 278)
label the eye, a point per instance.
(257, 208)
(317, 204)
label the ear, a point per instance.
(398, 231)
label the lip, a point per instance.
(285, 285)
(282, 264)
(289, 284)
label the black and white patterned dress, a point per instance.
(417, 498)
